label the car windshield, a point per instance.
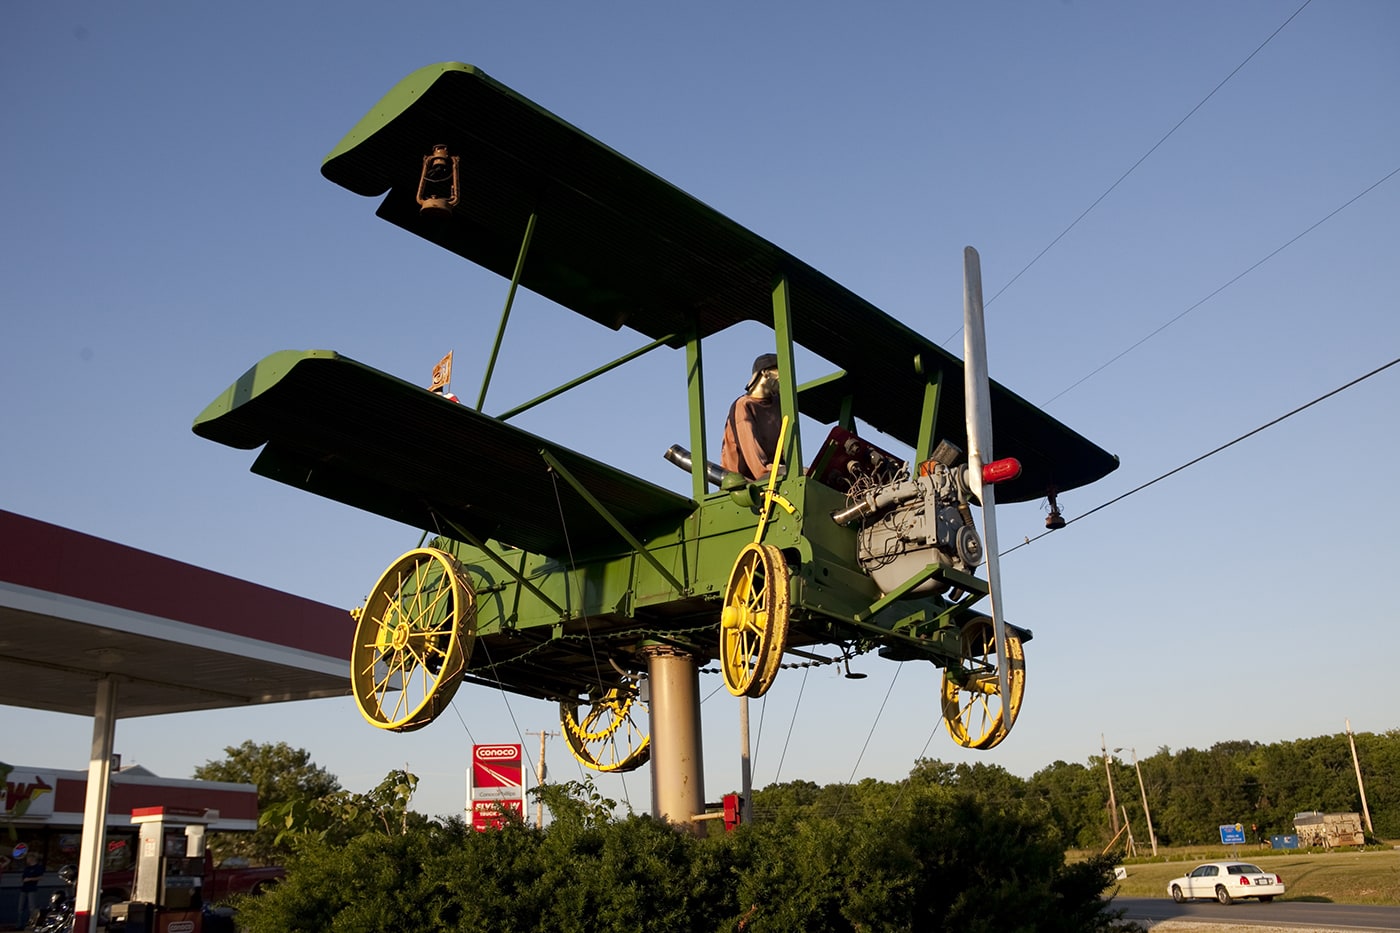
(1245, 870)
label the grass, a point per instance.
(1341, 876)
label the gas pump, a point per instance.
(167, 896)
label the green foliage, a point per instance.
(282, 775)
(940, 860)
(953, 847)
(340, 816)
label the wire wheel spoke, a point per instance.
(754, 620)
(609, 732)
(413, 639)
(975, 712)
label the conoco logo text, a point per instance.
(498, 751)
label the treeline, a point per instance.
(935, 859)
(1189, 792)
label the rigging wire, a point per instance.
(846, 790)
(573, 568)
(904, 785)
(758, 739)
(1222, 288)
(792, 722)
(583, 609)
(1301, 408)
(471, 738)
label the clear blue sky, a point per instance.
(165, 227)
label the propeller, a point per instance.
(978, 394)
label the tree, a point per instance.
(282, 775)
(338, 817)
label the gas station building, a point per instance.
(95, 628)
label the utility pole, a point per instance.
(539, 777)
(1145, 809)
(1356, 763)
(1128, 825)
(1112, 800)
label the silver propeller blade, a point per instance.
(978, 393)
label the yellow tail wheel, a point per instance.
(608, 732)
(413, 639)
(976, 713)
(754, 620)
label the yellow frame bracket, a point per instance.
(769, 495)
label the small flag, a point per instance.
(442, 373)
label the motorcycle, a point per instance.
(57, 917)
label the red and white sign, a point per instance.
(496, 785)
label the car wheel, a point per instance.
(1222, 895)
(1176, 894)
(1265, 898)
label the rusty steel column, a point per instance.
(677, 766)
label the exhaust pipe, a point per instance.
(681, 458)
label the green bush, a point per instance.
(940, 860)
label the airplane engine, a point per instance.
(910, 523)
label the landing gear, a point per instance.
(603, 732)
(413, 639)
(976, 713)
(754, 622)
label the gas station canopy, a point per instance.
(75, 610)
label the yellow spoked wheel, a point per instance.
(609, 732)
(413, 640)
(754, 622)
(976, 714)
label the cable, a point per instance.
(1149, 152)
(791, 723)
(471, 738)
(1256, 265)
(1144, 157)
(905, 783)
(573, 567)
(841, 803)
(758, 739)
(1225, 446)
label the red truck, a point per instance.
(219, 883)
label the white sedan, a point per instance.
(1227, 882)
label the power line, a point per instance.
(1232, 281)
(1155, 146)
(1211, 453)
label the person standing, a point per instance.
(29, 888)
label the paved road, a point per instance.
(1293, 915)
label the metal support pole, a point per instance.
(1356, 763)
(745, 763)
(677, 768)
(505, 314)
(93, 843)
(787, 385)
(1146, 810)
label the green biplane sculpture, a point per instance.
(588, 580)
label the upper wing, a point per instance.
(623, 247)
(343, 430)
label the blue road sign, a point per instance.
(1232, 835)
